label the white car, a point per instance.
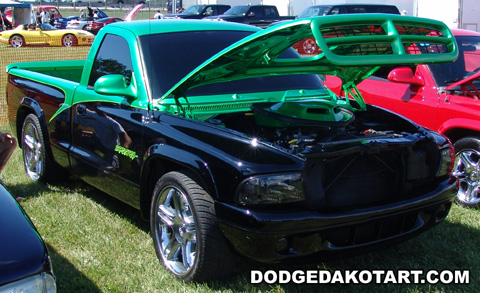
(79, 24)
(88, 1)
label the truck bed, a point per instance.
(66, 69)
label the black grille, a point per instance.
(362, 179)
(374, 230)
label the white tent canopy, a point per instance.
(21, 11)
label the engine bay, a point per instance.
(297, 134)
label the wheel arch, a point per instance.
(30, 106)
(75, 38)
(162, 159)
(456, 132)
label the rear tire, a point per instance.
(37, 164)
(467, 169)
(185, 231)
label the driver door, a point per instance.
(107, 149)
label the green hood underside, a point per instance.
(352, 48)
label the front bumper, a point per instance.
(281, 235)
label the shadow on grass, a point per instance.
(111, 203)
(68, 278)
(31, 189)
(72, 184)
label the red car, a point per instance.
(95, 25)
(442, 97)
(5, 24)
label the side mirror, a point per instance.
(251, 14)
(405, 75)
(115, 85)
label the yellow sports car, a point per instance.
(45, 35)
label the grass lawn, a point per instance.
(99, 244)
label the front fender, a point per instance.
(171, 155)
(161, 159)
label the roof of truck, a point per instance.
(155, 26)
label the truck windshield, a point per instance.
(194, 9)
(315, 11)
(166, 64)
(237, 10)
(467, 64)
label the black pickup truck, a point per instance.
(257, 15)
(239, 149)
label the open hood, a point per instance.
(353, 47)
(132, 13)
(101, 14)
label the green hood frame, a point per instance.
(352, 46)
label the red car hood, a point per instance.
(131, 15)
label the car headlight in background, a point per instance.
(44, 283)
(270, 189)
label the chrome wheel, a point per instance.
(32, 148)
(69, 40)
(175, 230)
(467, 169)
(16, 41)
(185, 231)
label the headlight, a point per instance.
(447, 160)
(39, 283)
(270, 189)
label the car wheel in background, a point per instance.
(185, 232)
(467, 169)
(69, 40)
(17, 41)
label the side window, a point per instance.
(113, 57)
(382, 72)
(270, 12)
(358, 9)
(221, 10)
(342, 10)
(257, 11)
(208, 11)
(335, 11)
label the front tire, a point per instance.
(69, 40)
(185, 231)
(467, 169)
(17, 41)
